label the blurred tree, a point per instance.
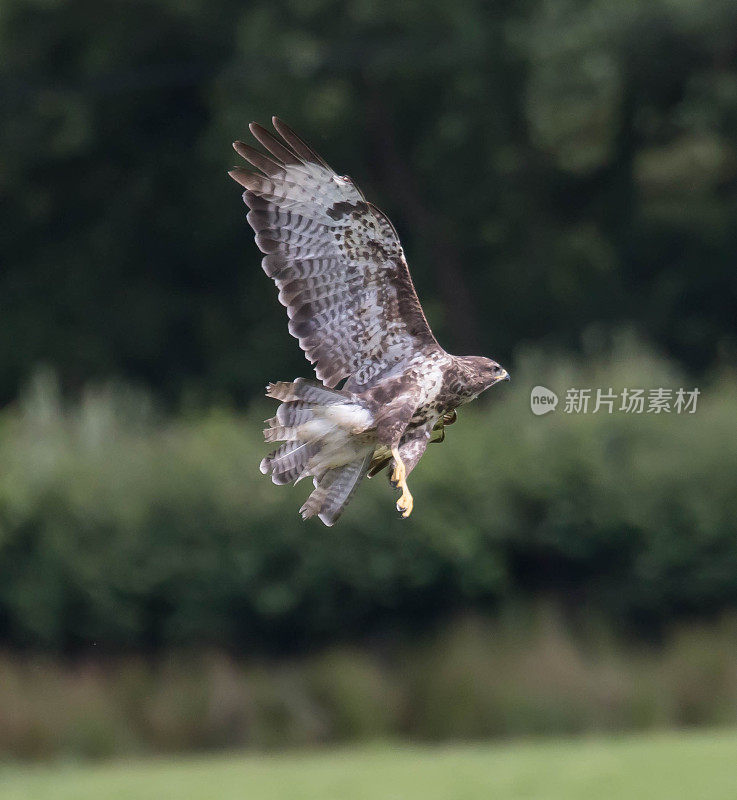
(550, 164)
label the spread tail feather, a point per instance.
(287, 464)
(326, 434)
(334, 490)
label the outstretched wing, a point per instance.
(336, 259)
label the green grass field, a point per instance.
(698, 766)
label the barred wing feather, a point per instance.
(336, 259)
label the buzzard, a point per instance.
(342, 275)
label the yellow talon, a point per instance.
(405, 503)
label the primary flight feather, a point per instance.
(343, 277)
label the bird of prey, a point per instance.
(342, 275)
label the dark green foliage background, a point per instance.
(550, 166)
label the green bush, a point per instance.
(123, 529)
(525, 674)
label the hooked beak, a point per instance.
(503, 377)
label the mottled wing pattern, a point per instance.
(336, 260)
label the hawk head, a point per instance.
(479, 373)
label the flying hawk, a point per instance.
(343, 278)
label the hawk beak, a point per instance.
(503, 377)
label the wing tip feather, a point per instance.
(247, 179)
(286, 148)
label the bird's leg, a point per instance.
(399, 480)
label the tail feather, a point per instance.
(323, 431)
(280, 433)
(288, 463)
(334, 490)
(294, 413)
(288, 418)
